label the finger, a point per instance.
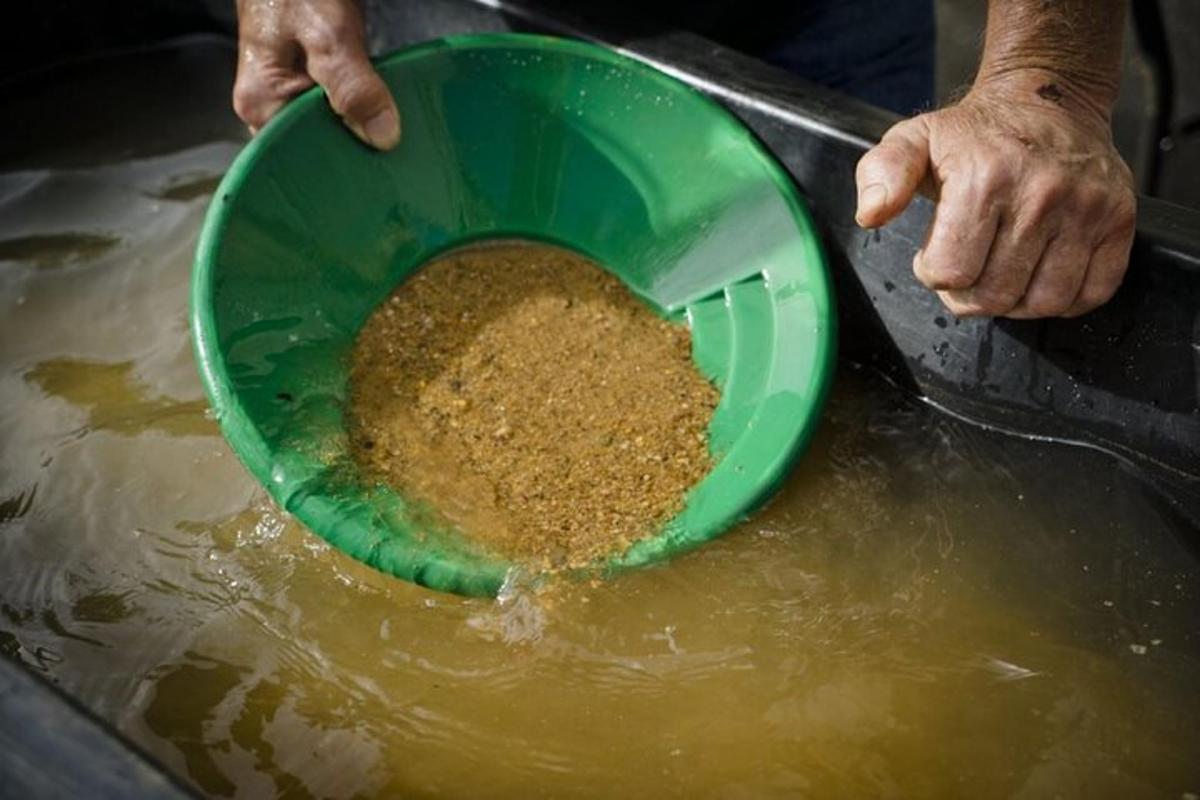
(1056, 281)
(965, 222)
(267, 77)
(890, 173)
(356, 92)
(1015, 254)
(1109, 260)
(1105, 271)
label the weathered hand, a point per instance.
(285, 46)
(1035, 209)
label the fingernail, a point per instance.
(871, 199)
(383, 129)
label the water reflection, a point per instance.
(115, 400)
(51, 251)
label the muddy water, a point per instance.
(926, 609)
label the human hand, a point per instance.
(1035, 209)
(285, 46)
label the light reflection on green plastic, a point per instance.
(506, 135)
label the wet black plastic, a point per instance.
(52, 747)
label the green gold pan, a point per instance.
(506, 136)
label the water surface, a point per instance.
(926, 609)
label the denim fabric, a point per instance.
(881, 51)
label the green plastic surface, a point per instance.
(506, 135)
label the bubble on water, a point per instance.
(315, 545)
(1009, 672)
(267, 528)
(667, 636)
(517, 616)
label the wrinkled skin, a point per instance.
(285, 46)
(1035, 209)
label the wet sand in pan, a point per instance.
(529, 397)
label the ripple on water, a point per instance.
(894, 622)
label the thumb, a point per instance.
(890, 173)
(357, 93)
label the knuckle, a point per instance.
(887, 157)
(1052, 295)
(957, 304)
(1065, 282)
(993, 175)
(1125, 214)
(866, 165)
(1114, 211)
(258, 94)
(1105, 282)
(995, 301)
(965, 304)
(1047, 304)
(899, 133)
(959, 308)
(981, 300)
(1124, 174)
(323, 38)
(918, 267)
(1016, 148)
(248, 102)
(954, 277)
(1090, 201)
(1048, 192)
(242, 106)
(353, 92)
(939, 273)
(934, 274)
(1091, 297)
(1031, 227)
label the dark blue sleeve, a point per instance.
(881, 51)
